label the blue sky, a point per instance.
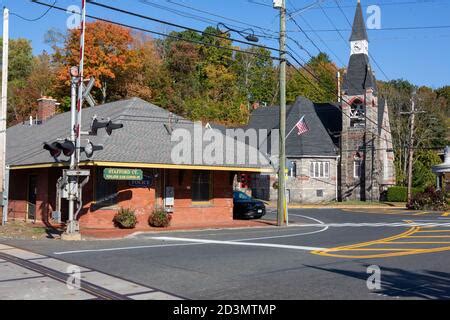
(419, 55)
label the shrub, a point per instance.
(159, 218)
(125, 218)
(430, 199)
(400, 194)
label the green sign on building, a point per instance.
(122, 174)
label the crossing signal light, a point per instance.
(97, 125)
(112, 126)
(90, 148)
(108, 125)
(55, 148)
(67, 147)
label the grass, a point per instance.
(23, 230)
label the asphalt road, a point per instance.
(323, 254)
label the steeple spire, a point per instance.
(359, 28)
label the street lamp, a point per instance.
(243, 33)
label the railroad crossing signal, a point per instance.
(108, 125)
(55, 148)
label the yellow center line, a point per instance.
(446, 214)
(428, 237)
(381, 249)
(442, 230)
(419, 242)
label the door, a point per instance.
(32, 191)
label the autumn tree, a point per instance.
(107, 49)
(315, 80)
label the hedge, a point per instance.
(400, 194)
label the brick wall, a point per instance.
(46, 108)
(142, 200)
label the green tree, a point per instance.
(422, 174)
(256, 77)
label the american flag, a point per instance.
(301, 126)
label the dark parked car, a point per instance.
(246, 207)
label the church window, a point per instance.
(320, 169)
(357, 164)
(357, 113)
(292, 168)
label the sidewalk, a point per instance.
(88, 233)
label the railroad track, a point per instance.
(90, 288)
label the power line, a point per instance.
(323, 42)
(164, 34)
(222, 17)
(134, 14)
(378, 29)
(35, 19)
(200, 43)
(374, 60)
(204, 19)
(324, 88)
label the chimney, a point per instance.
(46, 108)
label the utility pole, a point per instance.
(412, 116)
(3, 115)
(281, 203)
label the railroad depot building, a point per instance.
(195, 191)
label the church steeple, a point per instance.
(358, 28)
(359, 42)
(359, 75)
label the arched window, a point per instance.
(357, 113)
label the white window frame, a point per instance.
(319, 169)
(355, 173)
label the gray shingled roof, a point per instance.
(143, 139)
(358, 29)
(315, 142)
(359, 75)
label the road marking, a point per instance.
(429, 237)
(441, 230)
(380, 224)
(238, 243)
(418, 242)
(446, 214)
(125, 248)
(390, 251)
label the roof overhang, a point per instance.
(146, 165)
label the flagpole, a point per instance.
(294, 126)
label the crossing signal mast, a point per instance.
(70, 185)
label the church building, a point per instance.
(347, 152)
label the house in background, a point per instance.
(196, 191)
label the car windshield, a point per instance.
(238, 195)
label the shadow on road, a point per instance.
(404, 284)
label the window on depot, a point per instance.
(201, 186)
(105, 190)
